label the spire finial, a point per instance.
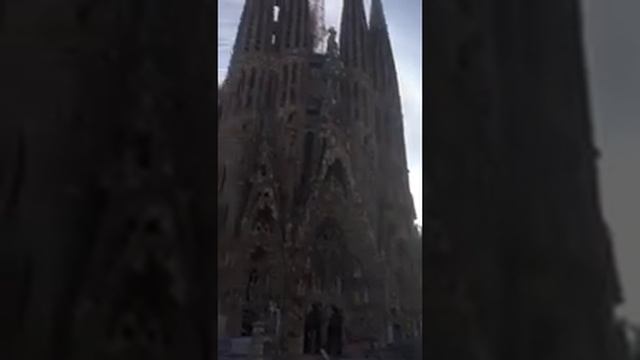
(353, 29)
(332, 45)
(377, 19)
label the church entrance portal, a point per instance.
(313, 330)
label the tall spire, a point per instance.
(377, 20)
(353, 30)
(255, 39)
(294, 26)
(383, 68)
(256, 27)
(389, 125)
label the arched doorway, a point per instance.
(334, 332)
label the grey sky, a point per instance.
(405, 27)
(613, 59)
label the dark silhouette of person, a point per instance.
(313, 335)
(334, 332)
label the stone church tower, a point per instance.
(313, 195)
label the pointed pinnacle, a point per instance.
(377, 19)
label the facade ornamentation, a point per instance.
(329, 192)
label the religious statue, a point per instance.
(332, 45)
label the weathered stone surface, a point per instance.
(313, 189)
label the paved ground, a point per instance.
(405, 351)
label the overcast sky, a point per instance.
(613, 59)
(405, 27)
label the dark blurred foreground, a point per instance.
(518, 258)
(107, 115)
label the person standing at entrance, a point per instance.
(313, 326)
(334, 332)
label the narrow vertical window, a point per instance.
(362, 49)
(241, 84)
(299, 21)
(356, 113)
(354, 41)
(364, 96)
(294, 73)
(292, 132)
(378, 124)
(252, 79)
(249, 28)
(375, 66)
(285, 74)
(254, 25)
(306, 33)
(259, 19)
(241, 81)
(261, 88)
(388, 138)
(287, 25)
(366, 103)
(285, 85)
(295, 22)
(276, 13)
(271, 85)
(252, 83)
(308, 157)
